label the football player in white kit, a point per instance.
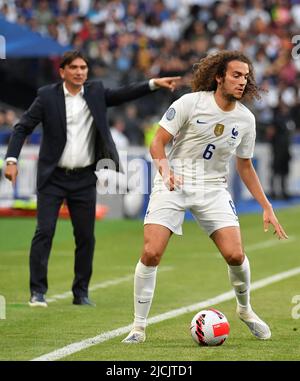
(207, 127)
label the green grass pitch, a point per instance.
(191, 271)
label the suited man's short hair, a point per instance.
(70, 56)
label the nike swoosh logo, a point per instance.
(143, 302)
(201, 122)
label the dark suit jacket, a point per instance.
(49, 108)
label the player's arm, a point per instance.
(249, 176)
(158, 153)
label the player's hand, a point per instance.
(167, 82)
(172, 181)
(270, 218)
(11, 173)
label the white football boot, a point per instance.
(135, 336)
(257, 327)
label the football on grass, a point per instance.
(210, 327)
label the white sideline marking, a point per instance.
(105, 284)
(80, 345)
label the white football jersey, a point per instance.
(206, 137)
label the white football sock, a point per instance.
(144, 285)
(240, 279)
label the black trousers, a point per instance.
(79, 191)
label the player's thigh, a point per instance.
(166, 209)
(156, 238)
(215, 211)
(229, 242)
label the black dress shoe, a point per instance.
(37, 300)
(83, 300)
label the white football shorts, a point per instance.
(212, 208)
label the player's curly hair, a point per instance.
(206, 70)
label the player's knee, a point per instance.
(151, 256)
(235, 258)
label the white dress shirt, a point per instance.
(79, 150)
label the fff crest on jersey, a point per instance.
(219, 129)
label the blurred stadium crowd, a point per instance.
(130, 40)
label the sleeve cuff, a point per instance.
(13, 159)
(152, 85)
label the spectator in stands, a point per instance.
(137, 37)
(117, 133)
(75, 138)
(10, 118)
(7, 120)
(133, 128)
(279, 135)
(3, 129)
(295, 113)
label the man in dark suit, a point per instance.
(75, 137)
